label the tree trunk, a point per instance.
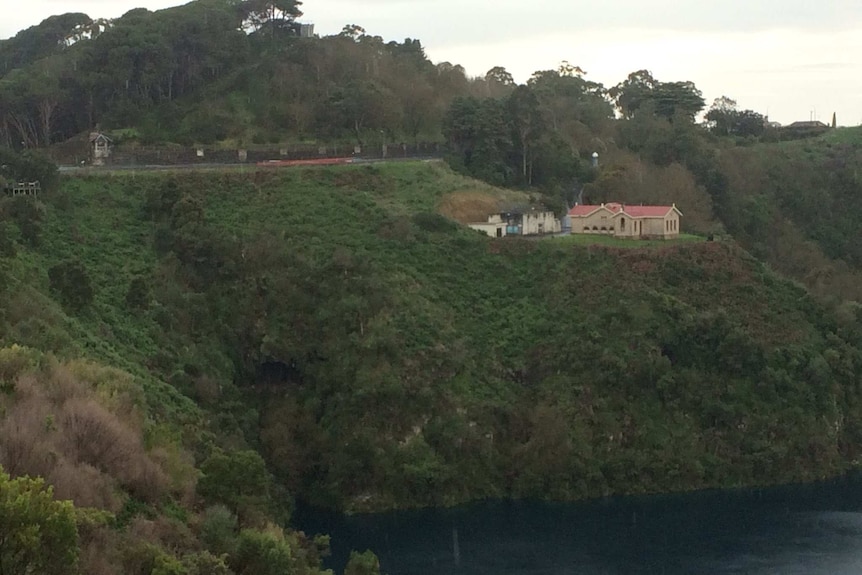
(46, 113)
(26, 130)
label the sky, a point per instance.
(788, 59)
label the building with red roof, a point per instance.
(623, 221)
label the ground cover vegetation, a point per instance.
(183, 353)
(327, 334)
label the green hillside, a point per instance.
(184, 354)
(327, 334)
(379, 355)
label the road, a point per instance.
(89, 169)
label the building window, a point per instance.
(622, 224)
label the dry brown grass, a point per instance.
(467, 207)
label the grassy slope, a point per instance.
(433, 365)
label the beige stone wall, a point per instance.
(673, 218)
(594, 223)
(623, 226)
(494, 230)
(626, 227)
(667, 227)
(540, 223)
(653, 227)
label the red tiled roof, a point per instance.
(648, 211)
(586, 210)
(582, 210)
(615, 208)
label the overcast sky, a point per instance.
(791, 59)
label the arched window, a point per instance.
(622, 224)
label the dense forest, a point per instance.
(183, 354)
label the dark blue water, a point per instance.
(807, 529)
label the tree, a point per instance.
(238, 480)
(678, 98)
(352, 31)
(527, 126)
(499, 75)
(479, 138)
(275, 14)
(572, 105)
(669, 99)
(720, 115)
(38, 535)
(28, 166)
(631, 93)
(724, 119)
(421, 114)
(570, 70)
(362, 108)
(749, 123)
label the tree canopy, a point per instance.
(667, 98)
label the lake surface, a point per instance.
(807, 529)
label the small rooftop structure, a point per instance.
(100, 148)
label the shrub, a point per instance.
(262, 553)
(205, 563)
(27, 214)
(138, 294)
(37, 534)
(218, 529)
(71, 283)
(238, 480)
(7, 245)
(55, 428)
(362, 564)
(434, 222)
